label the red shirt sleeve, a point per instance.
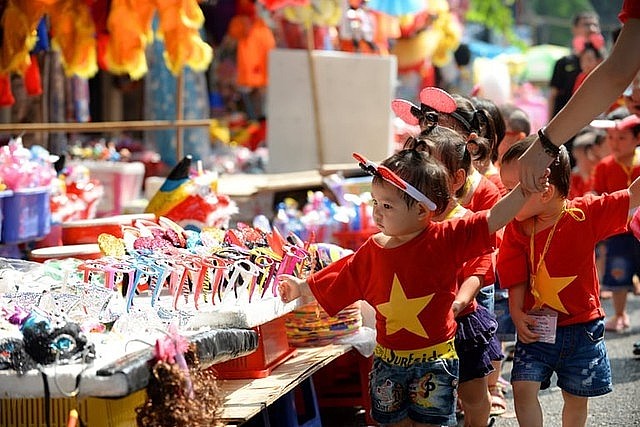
(630, 9)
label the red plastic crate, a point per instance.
(353, 239)
(273, 349)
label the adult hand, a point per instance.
(534, 170)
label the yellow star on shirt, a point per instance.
(402, 312)
(548, 288)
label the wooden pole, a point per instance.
(179, 115)
(102, 126)
(314, 96)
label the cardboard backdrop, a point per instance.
(354, 97)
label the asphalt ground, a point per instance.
(619, 408)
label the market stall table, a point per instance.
(246, 398)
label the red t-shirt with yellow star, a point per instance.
(484, 193)
(630, 9)
(412, 286)
(610, 176)
(567, 281)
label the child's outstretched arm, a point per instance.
(521, 320)
(504, 211)
(292, 288)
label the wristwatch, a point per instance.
(549, 147)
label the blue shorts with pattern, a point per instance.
(425, 392)
(578, 357)
(622, 261)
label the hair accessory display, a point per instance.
(389, 176)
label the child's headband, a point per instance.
(388, 175)
(433, 100)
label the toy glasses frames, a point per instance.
(393, 179)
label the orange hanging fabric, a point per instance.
(255, 40)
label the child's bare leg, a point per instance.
(574, 411)
(620, 306)
(525, 397)
(475, 401)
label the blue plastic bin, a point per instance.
(26, 215)
(3, 196)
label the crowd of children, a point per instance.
(440, 204)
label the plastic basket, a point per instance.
(122, 183)
(353, 239)
(310, 325)
(26, 215)
(3, 195)
(273, 349)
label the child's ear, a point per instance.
(423, 210)
(459, 179)
(549, 193)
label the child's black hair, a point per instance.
(560, 175)
(449, 148)
(424, 172)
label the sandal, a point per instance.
(617, 324)
(614, 324)
(498, 402)
(504, 384)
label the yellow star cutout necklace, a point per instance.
(546, 289)
(402, 312)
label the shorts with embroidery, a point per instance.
(622, 261)
(578, 357)
(425, 392)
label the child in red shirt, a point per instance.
(408, 274)
(554, 290)
(585, 161)
(615, 172)
(476, 343)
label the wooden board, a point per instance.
(244, 399)
(354, 94)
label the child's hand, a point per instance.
(523, 323)
(289, 287)
(457, 307)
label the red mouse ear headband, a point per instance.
(405, 110)
(438, 99)
(432, 99)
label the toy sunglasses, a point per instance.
(393, 179)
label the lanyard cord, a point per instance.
(575, 213)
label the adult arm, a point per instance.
(597, 92)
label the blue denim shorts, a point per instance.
(425, 392)
(485, 297)
(506, 328)
(578, 357)
(622, 261)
